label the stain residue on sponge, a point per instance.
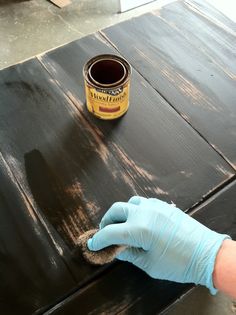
(102, 256)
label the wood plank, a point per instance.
(63, 166)
(161, 152)
(31, 269)
(218, 213)
(214, 11)
(194, 70)
(120, 292)
(213, 38)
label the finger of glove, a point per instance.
(117, 213)
(136, 200)
(113, 234)
(130, 254)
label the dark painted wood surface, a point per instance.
(218, 213)
(31, 270)
(60, 161)
(161, 152)
(211, 13)
(114, 294)
(189, 57)
(61, 168)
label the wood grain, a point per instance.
(190, 60)
(217, 41)
(161, 152)
(211, 13)
(31, 269)
(64, 168)
(124, 290)
(218, 213)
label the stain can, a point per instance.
(107, 86)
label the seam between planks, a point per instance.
(208, 194)
(231, 165)
(212, 195)
(173, 26)
(51, 240)
(194, 7)
(194, 209)
(47, 310)
(163, 309)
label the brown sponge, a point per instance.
(102, 256)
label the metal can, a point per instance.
(107, 86)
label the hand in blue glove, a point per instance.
(162, 240)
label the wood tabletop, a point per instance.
(61, 168)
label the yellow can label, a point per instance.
(107, 103)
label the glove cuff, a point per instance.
(201, 267)
(211, 263)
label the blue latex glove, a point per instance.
(163, 240)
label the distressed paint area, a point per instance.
(58, 210)
(57, 179)
(136, 172)
(186, 173)
(201, 48)
(224, 171)
(216, 148)
(29, 202)
(101, 37)
(13, 163)
(128, 180)
(159, 191)
(93, 131)
(96, 134)
(186, 87)
(132, 165)
(108, 40)
(102, 150)
(185, 117)
(75, 191)
(211, 19)
(52, 67)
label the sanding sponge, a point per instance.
(102, 256)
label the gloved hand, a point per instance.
(163, 240)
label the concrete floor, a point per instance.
(28, 28)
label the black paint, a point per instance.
(148, 296)
(190, 59)
(48, 192)
(63, 167)
(30, 268)
(161, 152)
(124, 290)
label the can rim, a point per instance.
(124, 62)
(104, 84)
